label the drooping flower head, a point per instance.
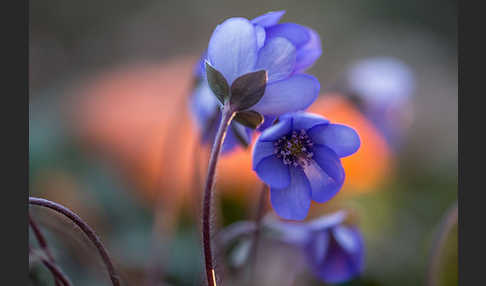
(239, 47)
(299, 158)
(383, 86)
(333, 247)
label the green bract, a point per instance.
(245, 92)
(217, 83)
(249, 118)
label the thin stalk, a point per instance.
(59, 276)
(256, 234)
(449, 220)
(43, 244)
(227, 116)
(86, 229)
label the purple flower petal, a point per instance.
(290, 232)
(268, 19)
(292, 202)
(260, 33)
(305, 120)
(381, 81)
(318, 247)
(277, 57)
(293, 94)
(327, 221)
(203, 104)
(340, 265)
(273, 172)
(276, 131)
(345, 236)
(233, 48)
(325, 174)
(230, 142)
(297, 34)
(337, 267)
(199, 69)
(267, 122)
(340, 138)
(309, 52)
(261, 150)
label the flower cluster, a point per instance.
(332, 246)
(239, 46)
(299, 158)
(253, 71)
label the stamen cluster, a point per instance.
(294, 149)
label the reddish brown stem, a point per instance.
(59, 276)
(43, 244)
(86, 229)
(227, 116)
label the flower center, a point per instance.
(294, 149)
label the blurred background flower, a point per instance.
(372, 165)
(110, 133)
(382, 87)
(332, 245)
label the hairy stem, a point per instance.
(446, 225)
(86, 229)
(43, 244)
(227, 116)
(208, 127)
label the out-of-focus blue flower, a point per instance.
(206, 115)
(299, 158)
(239, 46)
(333, 248)
(384, 86)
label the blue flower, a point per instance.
(383, 86)
(299, 158)
(334, 249)
(239, 46)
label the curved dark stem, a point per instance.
(43, 244)
(227, 116)
(59, 276)
(448, 221)
(86, 229)
(256, 233)
(198, 147)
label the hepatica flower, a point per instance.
(384, 86)
(333, 248)
(299, 158)
(260, 55)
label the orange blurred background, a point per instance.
(139, 116)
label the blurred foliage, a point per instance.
(448, 271)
